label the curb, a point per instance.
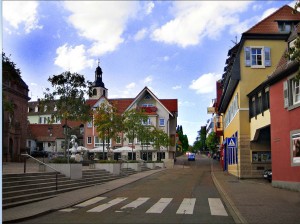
(234, 212)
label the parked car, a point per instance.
(37, 153)
(268, 175)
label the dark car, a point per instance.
(268, 175)
(37, 153)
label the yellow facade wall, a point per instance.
(258, 122)
(250, 78)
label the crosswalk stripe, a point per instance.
(107, 205)
(136, 203)
(187, 206)
(68, 209)
(90, 202)
(216, 207)
(159, 206)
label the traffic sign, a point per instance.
(231, 142)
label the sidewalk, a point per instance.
(255, 200)
(67, 199)
(248, 201)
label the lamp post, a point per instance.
(66, 132)
(50, 128)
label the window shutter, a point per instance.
(247, 57)
(267, 56)
(285, 94)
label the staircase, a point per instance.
(19, 189)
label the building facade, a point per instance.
(14, 121)
(250, 62)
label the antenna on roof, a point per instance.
(235, 42)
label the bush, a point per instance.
(62, 160)
(106, 161)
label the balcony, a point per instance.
(151, 109)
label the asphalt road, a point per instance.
(185, 194)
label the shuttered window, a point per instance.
(257, 57)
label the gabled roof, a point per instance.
(269, 25)
(169, 105)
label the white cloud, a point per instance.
(176, 87)
(140, 34)
(102, 22)
(73, 59)
(148, 80)
(33, 84)
(22, 12)
(149, 7)
(195, 20)
(206, 83)
(130, 85)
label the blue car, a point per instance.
(191, 157)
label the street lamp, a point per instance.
(66, 133)
(50, 128)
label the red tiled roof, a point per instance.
(170, 104)
(121, 104)
(269, 25)
(42, 132)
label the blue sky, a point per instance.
(176, 48)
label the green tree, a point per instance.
(108, 123)
(183, 138)
(294, 52)
(160, 139)
(9, 74)
(144, 134)
(132, 121)
(68, 92)
(212, 141)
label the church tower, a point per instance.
(98, 88)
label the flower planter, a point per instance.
(114, 168)
(71, 170)
(150, 165)
(134, 166)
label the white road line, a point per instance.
(107, 205)
(187, 206)
(90, 202)
(160, 205)
(216, 207)
(68, 209)
(136, 203)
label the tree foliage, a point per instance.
(132, 121)
(212, 141)
(68, 93)
(108, 122)
(9, 73)
(294, 52)
(200, 144)
(182, 138)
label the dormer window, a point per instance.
(286, 26)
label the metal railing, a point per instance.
(40, 162)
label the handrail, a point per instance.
(56, 171)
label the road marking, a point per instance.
(90, 202)
(216, 207)
(136, 203)
(159, 206)
(107, 205)
(68, 209)
(187, 206)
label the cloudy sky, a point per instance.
(176, 48)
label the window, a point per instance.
(146, 122)
(94, 92)
(261, 157)
(291, 93)
(285, 26)
(99, 142)
(118, 140)
(90, 124)
(259, 103)
(147, 105)
(257, 57)
(89, 140)
(295, 147)
(161, 122)
(147, 97)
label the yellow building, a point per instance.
(250, 62)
